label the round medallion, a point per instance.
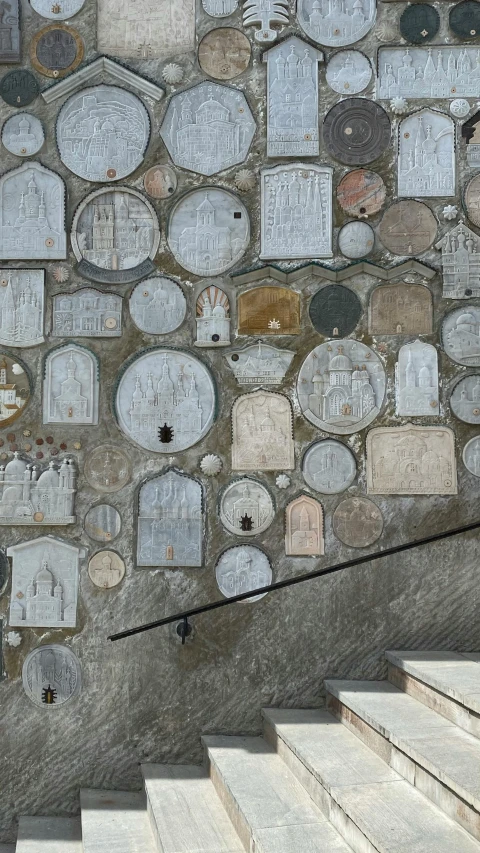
(106, 569)
(459, 108)
(356, 131)
(111, 323)
(356, 240)
(349, 72)
(23, 135)
(335, 311)
(461, 335)
(336, 24)
(56, 50)
(243, 568)
(157, 305)
(464, 19)
(19, 88)
(15, 389)
(103, 523)
(419, 23)
(408, 228)
(57, 11)
(246, 508)
(51, 676)
(471, 456)
(341, 386)
(361, 193)
(465, 399)
(107, 469)
(209, 231)
(357, 522)
(329, 467)
(472, 200)
(165, 400)
(103, 133)
(160, 182)
(224, 53)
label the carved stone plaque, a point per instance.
(336, 24)
(22, 307)
(34, 497)
(266, 13)
(296, 212)
(411, 460)
(471, 456)
(224, 53)
(426, 151)
(262, 433)
(170, 521)
(15, 389)
(357, 522)
(70, 386)
(103, 523)
(356, 240)
(160, 181)
(461, 335)
(407, 228)
(219, 8)
(464, 19)
(106, 569)
(56, 50)
(292, 99)
(102, 133)
(212, 318)
(269, 311)
(460, 263)
(246, 508)
(23, 135)
(51, 676)
(304, 528)
(400, 309)
(165, 400)
(115, 236)
(260, 364)
(107, 469)
(44, 583)
(32, 214)
(471, 134)
(151, 29)
(356, 131)
(465, 399)
(349, 72)
(19, 88)
(335, 311)
(157, 305)
(209, 231)
(416, 380)
(341, 386)
(10, 37)
(419, 23)
(243, 568)
(208, 128)
(361, 193)
(433, 72)
(57, 11)
(87, 313)
(329, 467)
(472, 200)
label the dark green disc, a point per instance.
(19, 88)
(465, 19)
(419, 23)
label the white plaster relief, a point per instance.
(149, 29)
(304, 528)
(411, 460)
(465, 399)
(23, 135)
(57, 11)
(34, 497)
(461, 335)
(260, 364)
(32, 214)
(170, 522)
(87, 313)
(416, 380)
(212, 318)
(106, 569)
(356, 240)
(102, 65)
(22, 307)
(266, 13)
(51, 676)
(329, 467)
(157, 305)
(219, 8)
(460, 263)
(246, 508)
(262, 433)
(70, 386)
(426, 151)
(337, 22)
(471, 456)
(243, 568)
(348, 72)
(433, 72)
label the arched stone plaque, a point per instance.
(357, 522)
(71, 386)
(32, 214)
(262, 433)
(400, 309)
(29, 496)
(260, 364)
(335, 310)
(51, 676)
(56, 50)
(22, 307)
(460, 249)
(471, 456)
(411, 460)
(304, 528)
(87, 313)
(60, 11)
(15, 389)
(170, 521)
(361, 193)
(23, 135)
(426, 155)
(461, 335)
(246, 508)
(103, 523)
(349, 72)
(334, 24)
(465, 399)
(157, 305)
(107, 469)
(224, 53)
(269, 311)
(106, 569)
(407, 228)
(356, 240)
(243, 568)
(329, 467)
(212, 318)
(416, 380)
(157, 29)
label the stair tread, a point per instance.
(448, 672)
(187, 811)
(115, 822)
(49, 835)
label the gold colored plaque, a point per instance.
(56, 51)
(269, 310)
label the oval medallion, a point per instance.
(336, 24)
(472, 200)
(224, 53)
(103, 523)
(246, 508)
(356, 240)
(461, 335)
(107, 469)
(157, 305)
(106, 569)
(361, 193)
(471, 456)
(465, 399)
(349, 72)
(23, 134)
(160, 181)
(51, 676)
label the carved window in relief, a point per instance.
(170, 521)
(262, 432)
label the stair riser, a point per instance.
(229, 804)
(153, 825)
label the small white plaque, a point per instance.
(329, 467)
(304, 528)
(349, 72)
(32, 214)
(23, 134)
(356, 240)
(243, 568)
(460, 263)
(471, 456)
(22, 307)
(416, 380)
(246, 508)
(146, 29)
(157, 305)
(426, 155)
(70, 386)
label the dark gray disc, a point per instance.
(335, 311)
(19, 88)
(464, 19)
(356, 131)
(419, 22)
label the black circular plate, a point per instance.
(356, 131)
(464, 19)
(19, 88)
(419, 22)
(335, 311)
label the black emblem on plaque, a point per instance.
(19, 88)
(356, 131)
(464, 19)
(335, 311)
(419, 22)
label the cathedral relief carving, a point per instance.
(243, 568)
(262, 433)
(329, 467)
(426, 151)
(157, 305)
(22, 307)
(416, 380)
(87, 313)
(260, 364)
(336, 23)
(70, 386)
(461, 335)
(45, 574)
(150, 29)
(212, 318)
(23, 135)
(170, 521)
(269, 311)
(51, 676)
(246, 508)
(400, 309)
(465, 399)
(32, 214)
(421, 72)
(304, 528)
(460, 249)
(30, 496)
(411, 460)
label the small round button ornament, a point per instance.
(460, 108)
(419, 23)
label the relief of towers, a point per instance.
(427, 155)
(416, 73)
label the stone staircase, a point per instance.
(391, 766)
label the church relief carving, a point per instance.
(212, 318)
(23, 134)
(246, 508)
(31, 496)
(70, 386)
(329, 467)
(87, 313)
(465, 399)
(243, 568)
(411, 460)
(150, 29)
(170, 521)
(421, 72)
(460, 262)
(337, 22)
(32, 214)
(269, 311)
(426, 152)
(262, 432)
(304, 528)
(260, 364)
(400, 309)
(416, 380)
(157, 305)
(51, 676)
(22, 307)
(461, 335)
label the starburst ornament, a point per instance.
(61, 275)
(13, 639)
(398, 106)
(245, 180)
(172, 73)
(450, 211)
(283, 481)
(211, 465)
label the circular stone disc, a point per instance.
(157, 305)
(465, 399)
(356, 131)
(241, 569)
(56, 50)
(471, 456)
(461, 335)
(224, 53)
(106, 569)
(460, 107)
(335, 311)
(419, 23)
(334, 24)
(57, 10)
(472, 200)
(329, 467)
(19, 88)
(356, 240)
(357, 522)
(103, 523)
(17, 378)
(160, 181)
(23, 134)
(165, 400)
(464, 19)
(37, 672)
(107, 469)
(361, 193)
(349, 72)
(246, 508)
(407, 228)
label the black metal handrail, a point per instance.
(184, 628)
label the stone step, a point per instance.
(49, 835)
(115, 822)
(367, 801)
(446, 682)
(475, 656)
(185, 812)
(270, 810)
(431, 752)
